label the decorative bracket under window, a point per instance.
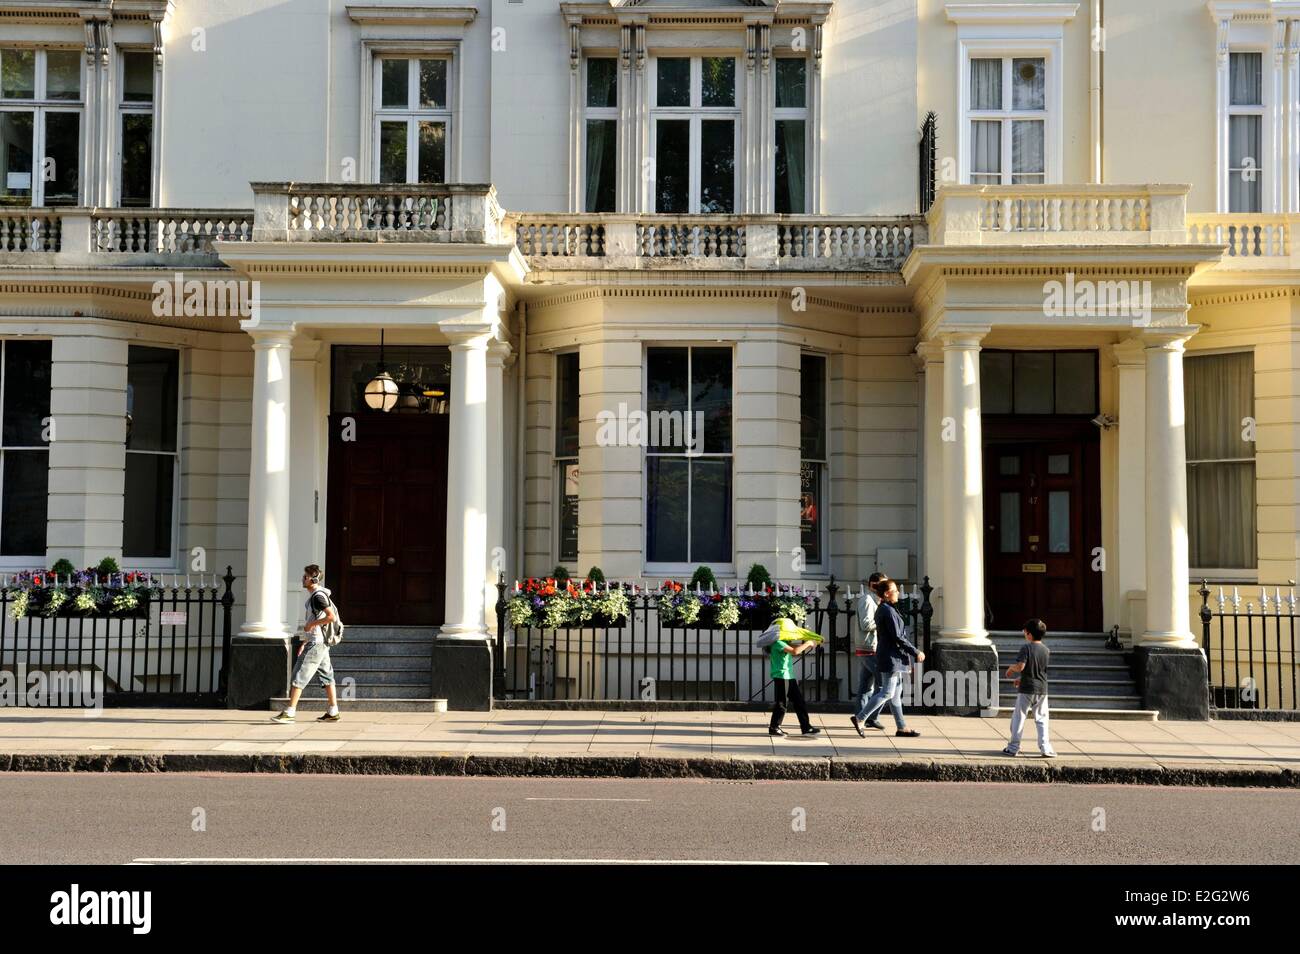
(575, 46)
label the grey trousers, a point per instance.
(1036, 704)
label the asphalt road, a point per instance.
(113, 819)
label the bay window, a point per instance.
(813, 457)
(1219, 394)
(566, 454)
(40, 127)
(689, 456)
(695, 120)
(25, 368)
(152, 455)
(412, 118)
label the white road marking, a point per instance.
(464, 861)
(543, 799)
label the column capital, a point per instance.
(264, 338)
(1131, 352)
(469, 335)
(964, 339)
(1167, 339)
(499, 353)
(928, 352)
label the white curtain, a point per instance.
(986, 151)
(1028, 86)
(1219, 392)
(985, 84)
(1246, 79)
(1245, 193)
(1027, 160)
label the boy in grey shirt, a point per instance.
(1031, 667)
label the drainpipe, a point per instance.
(1097, 43)
(521, 425)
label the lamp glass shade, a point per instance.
(381, 392)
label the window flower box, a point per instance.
(731, 608)
(567, 604)
(83, 595)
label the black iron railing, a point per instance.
(173, 648)
(1251, 651)
(928, 155)
(641, 659)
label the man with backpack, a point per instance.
(322, 630)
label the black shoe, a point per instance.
(775, 732)
(812, 730)
(857, 725)
(908, 733)
(874, 724)
(329, 718)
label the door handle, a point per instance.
(391, 561)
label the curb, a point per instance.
(660, 767)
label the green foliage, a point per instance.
(63, 567)
(560, 572)
(759, 578)
(596, 575)
(703, 578)
(107, 565)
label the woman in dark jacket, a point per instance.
(894, 656)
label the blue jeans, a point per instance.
(868, 683)
(891, 692)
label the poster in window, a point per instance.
(569, 514)
(810, 511)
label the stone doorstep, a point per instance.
(318, 704)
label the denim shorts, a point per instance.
(312, 660)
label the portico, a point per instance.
(431, 296)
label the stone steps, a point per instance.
(1084, 677)
(390, 664)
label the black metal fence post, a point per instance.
(927, 613)
(501, 635)
(833, 608)
(227, 605)
(1206, 615)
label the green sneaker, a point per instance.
(282, 717)
(329, 718)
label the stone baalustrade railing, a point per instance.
(1059, 215)
(348, 212)
(135, 237)
(1250, 240)
(803, 242)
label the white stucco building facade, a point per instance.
(556, 212)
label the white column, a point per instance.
(269, 485)
(1168, 615)
(931, 355)
(498, 355)
(1129, 561)
(467, 483)
(963, 491)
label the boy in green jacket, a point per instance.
(782, 654)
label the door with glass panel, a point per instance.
(1040, 530)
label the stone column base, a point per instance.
(462, 673)
(1174, 682)
(969, 677)
(258, 671)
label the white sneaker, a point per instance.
(1049, 754)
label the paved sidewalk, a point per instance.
(710, 744)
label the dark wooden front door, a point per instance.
(386, 547)
(1042, 524)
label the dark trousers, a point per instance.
(789, 688)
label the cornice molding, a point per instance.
(1007, 14)
(387, 15)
